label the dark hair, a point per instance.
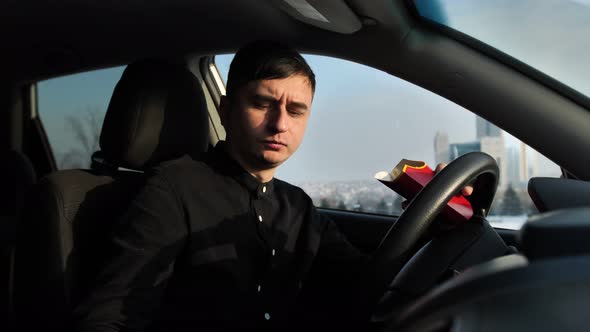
(266, 60)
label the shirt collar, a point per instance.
(225, 163)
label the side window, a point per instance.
(364, 121)
(72, 109)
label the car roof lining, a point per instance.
(49, 47)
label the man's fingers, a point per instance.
(467, 190)
(439, 167)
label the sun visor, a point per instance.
(333, 15)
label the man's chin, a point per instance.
(274, 159)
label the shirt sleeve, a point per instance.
(335, 278)
(146, 242)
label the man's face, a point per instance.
(266, 120)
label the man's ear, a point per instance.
(224, 110)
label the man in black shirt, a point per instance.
(216, 242)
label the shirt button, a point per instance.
(264, 189)
(273, 252)
(260, 218)
(259, 288)
(267, 316)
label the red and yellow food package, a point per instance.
(410, 176)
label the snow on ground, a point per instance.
(507, 222)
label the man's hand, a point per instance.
(466, 191)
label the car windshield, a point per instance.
(548, 35)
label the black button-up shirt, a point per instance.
(205, 245)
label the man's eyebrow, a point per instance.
(299, 105)
(266, 98)
(271, 99)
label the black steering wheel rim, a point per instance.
(475, 167)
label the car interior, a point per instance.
(54, 223)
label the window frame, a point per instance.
(36, 141)
(214, 84)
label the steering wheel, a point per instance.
(392, 254)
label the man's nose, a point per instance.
(279, 121)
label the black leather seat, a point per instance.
(19, 177)
(157, 113)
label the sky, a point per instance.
(364, 120)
